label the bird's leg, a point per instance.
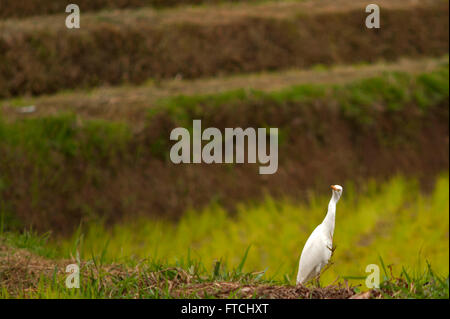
(318, 281)
(327, 266)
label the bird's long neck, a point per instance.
(328, 221)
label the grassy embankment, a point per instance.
(61, 169)
(393, 220)
(39, 7)
(40, 55)
(254, 254)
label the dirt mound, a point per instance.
(238, 290)
(21, 273)
(20, 270)
(24, 274)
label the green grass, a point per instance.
(100, 279)
(359, 100)
(262, 244)
(96, 283)
(393, 220)
(413, 284)
(48, 149)
(65, 135)
(31, 241)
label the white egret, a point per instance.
(318, 247)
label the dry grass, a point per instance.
(238, 290)
(20, 269)
(208, 15)
(22, 272)
(41, 56)
(26, 275)
(131, 104)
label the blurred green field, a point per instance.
(392, 220)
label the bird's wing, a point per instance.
(314, 256)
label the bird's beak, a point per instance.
(334, 187)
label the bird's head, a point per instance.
(337, 191)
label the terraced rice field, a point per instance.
(85, 174)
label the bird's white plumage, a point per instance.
(317, 250)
